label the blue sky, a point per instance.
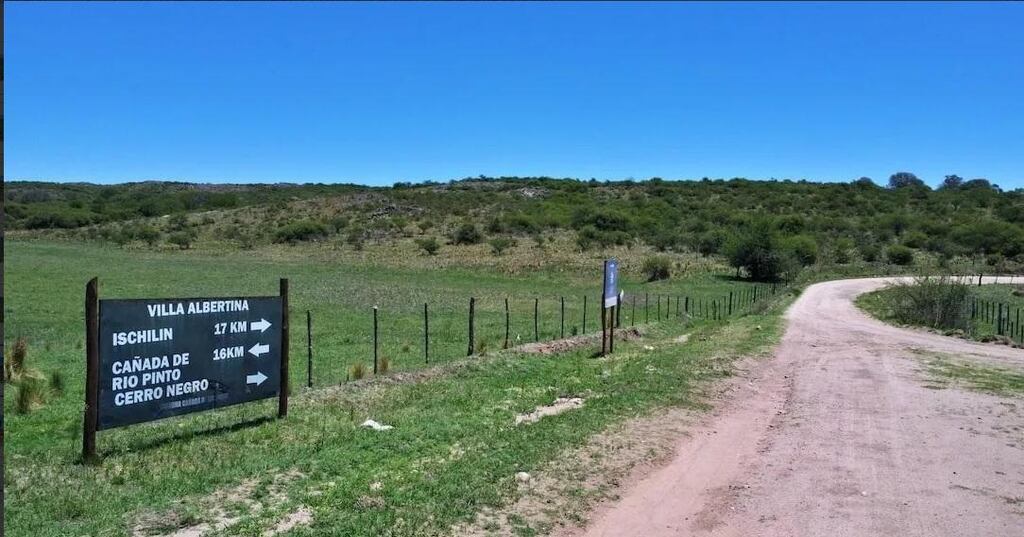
(378, 93)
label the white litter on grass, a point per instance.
(523, 477)
(560, 405)
(648, 348)
(376, 426)
(683, 338)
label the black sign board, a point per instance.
(165, 357)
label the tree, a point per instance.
(757, 251)
(904, 180)
(951, 182)
(864, 182)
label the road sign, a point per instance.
(165, 357)
(611, 283)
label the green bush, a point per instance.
(182, 239)
(657, 268)
(302, 230)
(467, 233)
(429, 245)
(935, 302)
(897, 254)
(803, 248)
(500, 244)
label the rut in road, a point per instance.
(837, 435)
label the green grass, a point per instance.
(946, 371)
(171, 464)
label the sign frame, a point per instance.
(92, 415)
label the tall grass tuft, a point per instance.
(358, 371)
(14, 366)
(936, 302)
(30, 395)
(384, 365)
(57, 382)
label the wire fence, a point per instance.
(411, 336)
(996, 318)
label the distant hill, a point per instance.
(835, 220)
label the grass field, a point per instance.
(318, 457)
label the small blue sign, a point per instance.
(611, 283)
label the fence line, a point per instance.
(440, 332)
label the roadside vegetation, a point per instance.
(952, 305)
(947, 371)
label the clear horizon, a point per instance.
(382, 93)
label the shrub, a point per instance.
(302, 230)
(181, 239)
(803, 248)
(869, 252)
(467, 233)
(500, 244)
(657, 268)
(936, 302)
(898, 254)
(915, 239)
(429, 245)
(356, 238)
(711, 242)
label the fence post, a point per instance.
(375, 340)
(561, 317)
(618, 310)
(632, 316)
(999, 319)
(282, 401)
(507, 323)
(647, 302)
(536, 327)
(309, 349)
(659, 308)
(730, 303)
(686, 305)
(426, 334)
(472, 335)
(604, 326)
(584, 329)
(92, 370)
(611, 329)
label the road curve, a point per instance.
(838, 435)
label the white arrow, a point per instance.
(256, 379)
(259, 349)
(262, 325)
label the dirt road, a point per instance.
(837, 435)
